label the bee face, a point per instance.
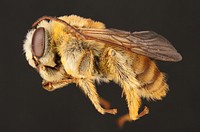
(37, 47)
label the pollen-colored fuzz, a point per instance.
(81, 22)
(82, 51)
(153, 84)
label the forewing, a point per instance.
(146, 43)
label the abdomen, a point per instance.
(153, 84)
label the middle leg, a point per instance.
(86, 69)
(89, 89)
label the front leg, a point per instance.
(54, 77)
(51, 86)
(89, 89)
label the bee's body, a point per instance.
(69, 59)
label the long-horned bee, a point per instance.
(72, 49)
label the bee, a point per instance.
(73, 49)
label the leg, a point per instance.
(123, 119)
(89, 89)
(86, 68)
(51, 86)
(133, 101)
(104, 103)
(122, 73)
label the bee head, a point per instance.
(37, 46)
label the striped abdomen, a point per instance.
(153, 85)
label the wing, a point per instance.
(146, 43)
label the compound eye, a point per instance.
(38, 42)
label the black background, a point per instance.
(26, 107)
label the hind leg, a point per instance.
(123, 119)
(122, 73)
(134, 103)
